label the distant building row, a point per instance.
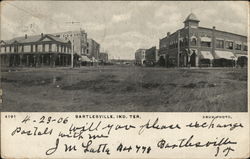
(146, 56)
(198, 46)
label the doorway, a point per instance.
(193, 60)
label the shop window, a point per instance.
(245, 47)
(219, 44)
(229, 45)
(238, 47)
(206, 44)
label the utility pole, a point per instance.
(178, 49)
(72, 43)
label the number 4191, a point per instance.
(10, 116)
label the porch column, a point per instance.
(20, 59)
(14, 60)
(66, 58)
(34, 60)
(8, 59)
(188, 60)
(50, 60)
(54, 56)
(42, 60)
(59, 60)
(185, 60)
(196, 60)
(27, 60)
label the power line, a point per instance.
(22, 9)
(29, 13)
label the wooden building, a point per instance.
(35, 51)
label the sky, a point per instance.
(120, 27)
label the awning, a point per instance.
(85, 58)
(94, 60)
(206, 55)
(239, 55)
(225, 55)
(238, 42)
(205, 39)
(193, 37)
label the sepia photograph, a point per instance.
(124, 56)
(124, 79)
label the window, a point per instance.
(245, 47)
(31, 48)
(15, 48)
(238, 47)
(36, 48)
(22, 48)
(193, 41)
(43, 47)
(229, 45)
(206, 44)
(50, 47)
(185, 42)
(219, 44)
(5, 49)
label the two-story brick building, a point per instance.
(36, 50)
(151, 56)
(93, 50)
(195, 46)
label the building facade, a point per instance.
(37, 50)
(140, 58)
(151, 56)
(196, 46)
(103, 57)
(78, 40)
(93, 49)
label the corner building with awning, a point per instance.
(195, 46)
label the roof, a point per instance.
(34, 38)
(192, 17)
(223, 31)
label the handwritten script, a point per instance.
(92, 134)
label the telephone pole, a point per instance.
(178, 49)
(72, 43)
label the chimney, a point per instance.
(25, 36)
(213, 27)
(41, 34)
(168, 33)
